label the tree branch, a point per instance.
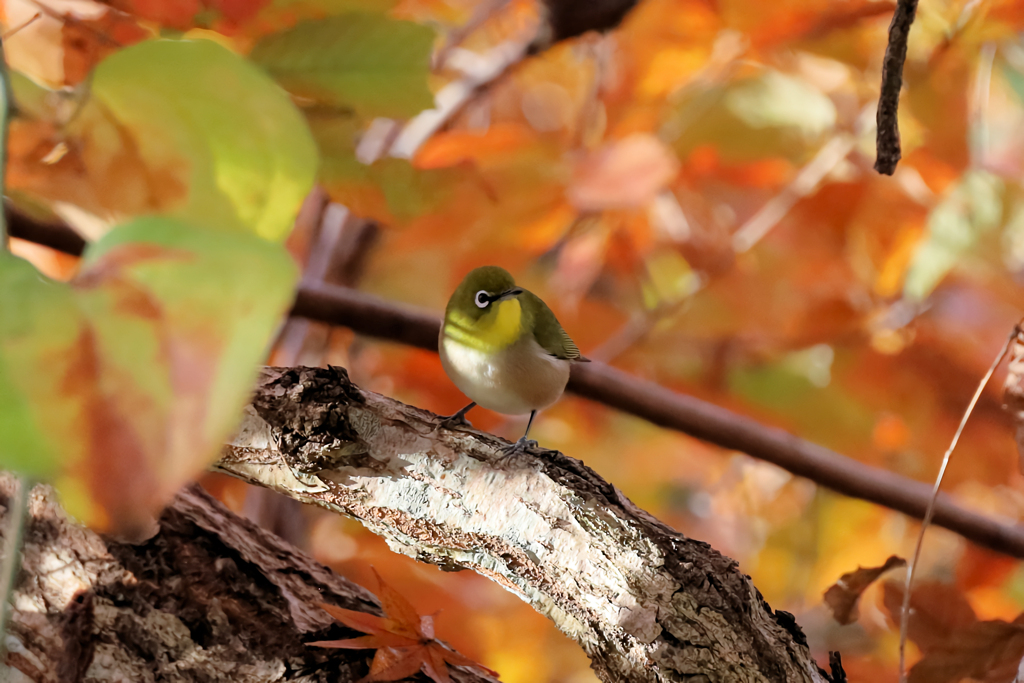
(370, 315)
(887, 141)
(645, 602)
(210, 598)
(373, 316)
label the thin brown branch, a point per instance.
(56, 235)
(370, 315)
(905, 611)
(367, 314)
(887, 141)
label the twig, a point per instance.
(827, 158)
(483, 12)
(25, 24)
(370, 315)
(887, 141)
(17, 507)
(453, 98)
(6, 101)
(905, 613)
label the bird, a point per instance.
(504, 349)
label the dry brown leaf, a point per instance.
(843, 596)
(938, 611)
(986, 651)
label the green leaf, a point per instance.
(132, 378)
(38, 321)
(772, 114)
(973, 207)
(1015, 79)
(203, 119)
(375, 65)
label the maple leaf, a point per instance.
(404, 640)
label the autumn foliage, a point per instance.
(691, 192)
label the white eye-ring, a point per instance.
(483, 299)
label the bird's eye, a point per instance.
(483, 300)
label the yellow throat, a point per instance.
(493, 332)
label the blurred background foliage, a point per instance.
(692, 193)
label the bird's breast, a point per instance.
(514, 380)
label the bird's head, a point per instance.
(485, 309)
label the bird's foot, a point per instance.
(453, 422)
(516, 449)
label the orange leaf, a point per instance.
(395, 664)
(403, 616)
(455, 147)
(360, 621)
(178, 14)
(87, 41)
(626, 174)
(404, 640)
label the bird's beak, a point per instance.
(510, 294)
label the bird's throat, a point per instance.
(496, 330)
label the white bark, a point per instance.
(645, 602)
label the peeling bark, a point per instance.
(209, 598)
(645, 602)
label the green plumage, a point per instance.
(547, 330)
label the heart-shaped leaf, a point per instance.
(132, 378)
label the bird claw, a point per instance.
(518, 448)
(453, 422)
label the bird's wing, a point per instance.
(550, 335)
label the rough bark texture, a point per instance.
(210, 598)
(645, 602)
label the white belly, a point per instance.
(515, 381)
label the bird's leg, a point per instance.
(523, 443)
(456, 420)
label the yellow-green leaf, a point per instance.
(373, 64)
(131, 378)
(201, 117)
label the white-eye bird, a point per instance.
(503, 348)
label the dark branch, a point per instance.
(373, 316)
(54, 235)
(888, 135)
(376, 317)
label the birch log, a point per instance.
(645, 602)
